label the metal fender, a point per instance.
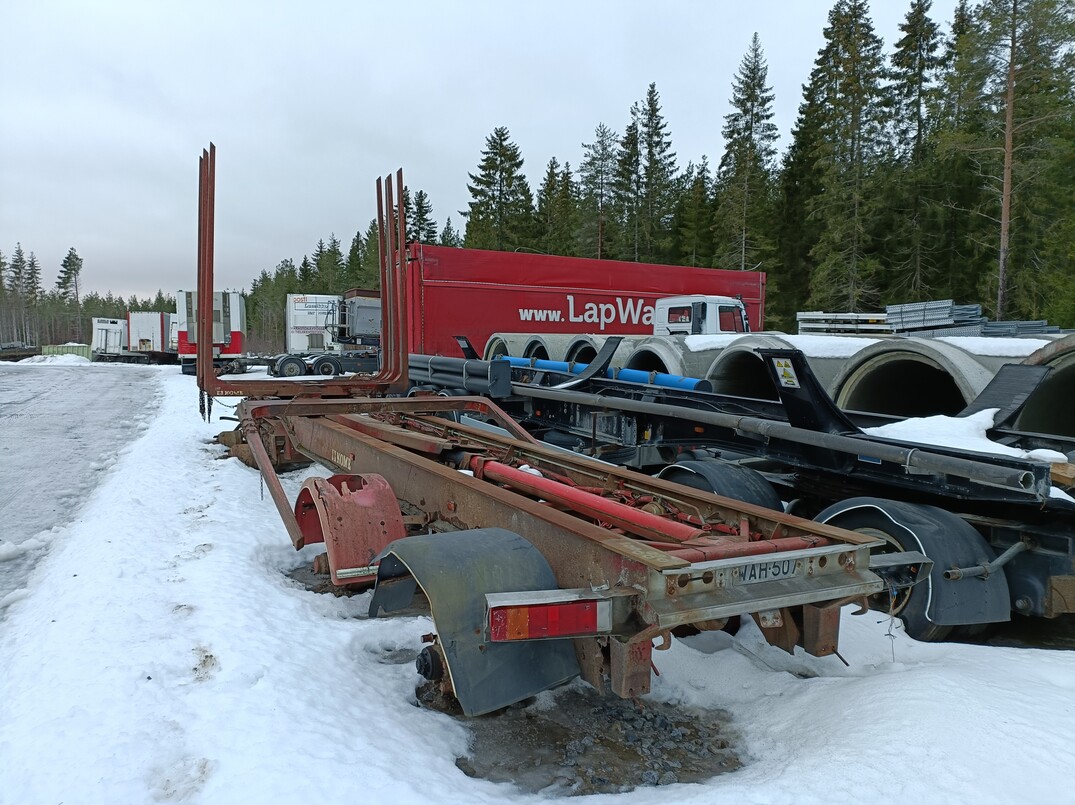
(455, 571)
(946, 539)
(356, 516)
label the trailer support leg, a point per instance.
(630, 663)
(821, 628)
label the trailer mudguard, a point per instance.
(455, 570)
(947, 540)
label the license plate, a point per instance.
(767, 571)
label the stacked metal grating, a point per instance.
(817, 322)
(1012, 328)
(927, 319)
(916, 318)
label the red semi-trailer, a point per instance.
(476, 293)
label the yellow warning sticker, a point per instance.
(786, 373)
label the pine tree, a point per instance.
(69, 280)
(328, 266)
(915, 64)
(449, 236)
(910, 233)
(17, 274)
(597, 173)
(557, 210)
(421, 227)
(847, 79)
(546, 206)
(788, 285)
(743, 237)
(658, 179)
(31, 299)
(501, 213)
(627, 189)
(963, 203)
(694, 217)
(565, 234)
(306, 273)
(1025, 50)
(353, 264)
(370, 276)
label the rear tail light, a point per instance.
(547, 614)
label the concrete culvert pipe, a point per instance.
(1049, 408)
(497, 347)
(654, 357)
(584, 348)
(670, 354)
(911, 377)
(536, 349)
(501, 344)
(740, 371)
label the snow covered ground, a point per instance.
(160, 653)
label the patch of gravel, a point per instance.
(575, 741)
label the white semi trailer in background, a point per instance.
(143, 336)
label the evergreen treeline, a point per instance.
(945, 170)
(31, 315)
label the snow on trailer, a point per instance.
(538, 566)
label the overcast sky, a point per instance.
(106, 105)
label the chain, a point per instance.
(891, 635)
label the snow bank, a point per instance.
(56, 360)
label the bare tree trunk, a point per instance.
(1006, 187)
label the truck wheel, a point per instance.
(726, 480)
(327, 366)
(909, 605)
(291, 367)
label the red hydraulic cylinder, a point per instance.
(635, 521)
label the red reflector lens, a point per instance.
(536, 621)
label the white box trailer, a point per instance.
(109, 338)
(229, 328)
(311, 320)
(149, 331)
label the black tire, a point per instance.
(562, 439)
(327, 366)
(291, 367)
(726, 480)
(910, 605)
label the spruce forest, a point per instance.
(944, 169)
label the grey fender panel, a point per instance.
(455, 570)
(949, 542)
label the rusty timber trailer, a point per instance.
(537, 565)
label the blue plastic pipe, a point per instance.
(627, 375)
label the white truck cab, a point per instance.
(698, 314)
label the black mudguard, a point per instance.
(950, 542)
(455, 571)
